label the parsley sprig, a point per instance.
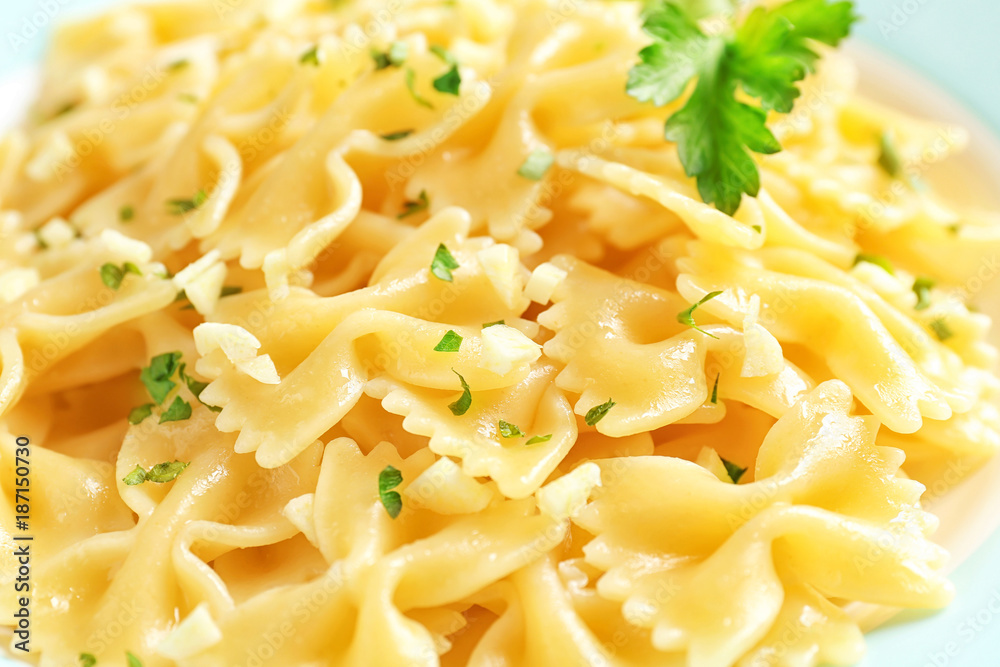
(765, 56)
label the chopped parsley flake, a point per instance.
(112, 275)
(941, 329)
(310, 57)
(394, 57)
(388, 480)
(449, 82)
(462, 405)
(922, 288)
(161, 473)
(178, 65)
(734, 471)
(137, 415)
(687, 316)
(508, 430)
(157, 375)
(179, 410)
(493, 324)
(182, 206)
(396, 136)
(443, 264)
(165, 472)
(877, 260)
(444, 54)
(411, 84)
(451, 342)
(196, 387)
(410, 206)
(715, 389)
(87, 660)
(133, 661)
(539, 439)
(596, 413)
(889, 158)
(535, 165)
(126, 213)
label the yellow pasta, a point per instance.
(310, 368)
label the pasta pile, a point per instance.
(234, 233)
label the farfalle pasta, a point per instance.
(393, 334)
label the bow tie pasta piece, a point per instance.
(621, 338)
(729, 553)
(517, 465)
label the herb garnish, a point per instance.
(182, 206)
(451, 342)
(464, 402)
(766, 56)
(388, 480)
(734, 471)
(596, 413)
(922, 288)
(535, 165)
(687, 316)
(443, 264)
(410, 206)
(112, 275)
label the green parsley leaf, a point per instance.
(444, 54)
(715, 389)
(877, 260)
(230, 290)
(687, 316)
(535, 165)
(182, 206)
(133, 661)
(449, 82)
(596, 413)
(889, 158)
(157, 375)
(388, 480)
(508, 430)
(462, 405)
(735, 471)
(188, 97)
(443, 264)
(137, 415)
(310, 57)
(411, 84)
(165, 472)
(179, 410)
(137, 476)
(941, 329)
(396, 136)
(196, 387)
(65, 109)
(410, 207)
(87, 660)
(112, 275)
(538, 439)
(922, 288)
(766, 56)
(394, 57)
(39, 240)
(178, 65)
(126, 213)
(493, 324)
(757, 228)
(450, 343)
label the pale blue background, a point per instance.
(957, 44)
